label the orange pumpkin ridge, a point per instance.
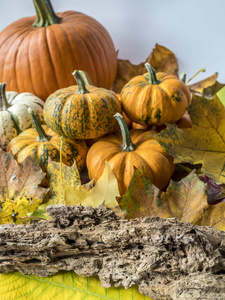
(155, 99)
(125, 151)
(45, 49)
(46, 143)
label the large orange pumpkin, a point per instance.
(38, 54)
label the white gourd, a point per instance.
(14, 116)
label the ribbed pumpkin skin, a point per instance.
(149, 104)
(26, 143)
(148, 157)
(82, 116)
(16, 118)
(41, 60)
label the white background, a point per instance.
(193, 29)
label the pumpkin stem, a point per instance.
(201, 70)
(152, 74)
(80, 82)
(42, 136)
(3, 101)
(45, 14)
(127, 143)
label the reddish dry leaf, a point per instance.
(21, 180)
(215, 192)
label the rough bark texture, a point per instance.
(166, 258)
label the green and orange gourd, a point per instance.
(46, 144)
(82, 111)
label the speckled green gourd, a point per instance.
(82, 111)
(155, 98)
(46, 143)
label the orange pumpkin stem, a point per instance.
(3, 101)
(127, 142)
(45, 14)
(80, 82)
(152, 74)
(42, 136)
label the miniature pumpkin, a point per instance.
(14, 117)
(136, 148)
(155, 98)
(43, 51)
(82, 112)
(47, 143)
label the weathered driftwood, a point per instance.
(166, 258)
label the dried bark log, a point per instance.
(166, 258)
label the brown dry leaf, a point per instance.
(125, 71)
(185, 200)
(201, 85)
(21, 180)
(161, 59)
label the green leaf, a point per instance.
(62, 286)
(221, 95)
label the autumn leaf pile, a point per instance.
(195, 193)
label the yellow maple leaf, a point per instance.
(60, 177)
(104, 192)
(14, 210)
(204, 143)
(65, 187)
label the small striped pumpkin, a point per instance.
(82, 111)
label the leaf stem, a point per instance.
(201, 70)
